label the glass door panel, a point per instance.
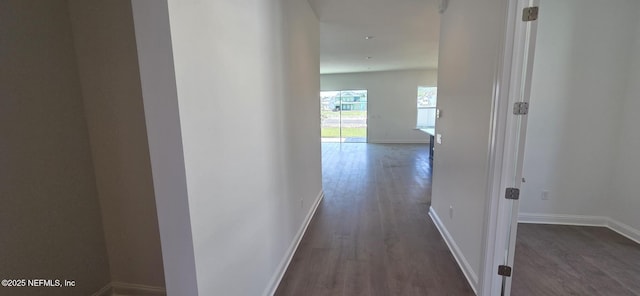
(343, 116)
(353, 116)
(330, 116)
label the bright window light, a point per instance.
(427, 100)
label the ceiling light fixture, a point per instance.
(368, 37)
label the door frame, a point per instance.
(512, 83)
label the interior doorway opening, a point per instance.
(575, 196)
(343, 116)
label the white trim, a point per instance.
(284, 264)
(494, 237)
(579, 220)
(127, 289)
(624, 230)
(467, 270)
(507, 137)
(582, 220)
(104, 291)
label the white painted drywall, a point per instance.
(247, 77)
(578, 89)
(50, 222)
(106, 51)
(392, 101)
(625, 204)
(157, 77)
(470, 42)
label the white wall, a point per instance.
(108, 66)
(50, 222)
(471, 33)
(247, 77)
(579, 78)
(625, 204)
(159, 94)
(392, 101)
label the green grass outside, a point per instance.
(347, 132)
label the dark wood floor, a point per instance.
(574, 260)
(371, 235)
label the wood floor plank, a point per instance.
(371, 234)
(574, 260)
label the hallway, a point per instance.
(371, 234)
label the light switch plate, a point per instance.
(439, 138)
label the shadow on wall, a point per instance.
(77, 188)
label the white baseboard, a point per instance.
(624, 230)
(282, 268)
(578, 220)
(471, 276)
(126, 289)
(104, 291)
(581, 220)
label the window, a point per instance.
(427, 99)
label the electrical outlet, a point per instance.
(544, 195)
(451, 212)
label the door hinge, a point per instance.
(512, 193)
(504, 270)
(521, 108)
(530, 14)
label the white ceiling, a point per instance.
(405, 34)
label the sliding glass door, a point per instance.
(344, 116)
